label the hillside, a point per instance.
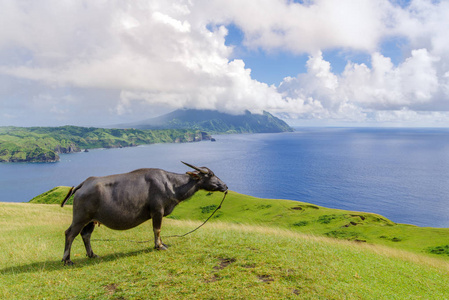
(222, 260)
(359, 227)
(44, 144)
(214, 122)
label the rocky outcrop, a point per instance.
(197, 137)
(68, 149)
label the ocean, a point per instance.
(401, 174)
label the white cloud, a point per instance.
(360, 90)
(385, 86)
(305, 28)
(126, 59)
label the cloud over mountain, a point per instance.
(104, 62)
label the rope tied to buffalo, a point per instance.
(219, 206)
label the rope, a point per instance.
(170, 236)
(219, 206)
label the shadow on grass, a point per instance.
(57, 265)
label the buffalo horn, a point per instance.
(196, 168)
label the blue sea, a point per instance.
(402, 174)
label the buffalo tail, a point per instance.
(69, 194)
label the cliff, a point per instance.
(44, 144)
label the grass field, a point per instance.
(305, 218)
(253, 249)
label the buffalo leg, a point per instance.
(70, 235)
(85, 234)
(157, 224)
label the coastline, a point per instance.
(45, 144)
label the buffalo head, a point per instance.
(207, 179)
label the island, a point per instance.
(44, 144)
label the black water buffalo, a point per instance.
(124, 201)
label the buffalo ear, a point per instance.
(194, 175)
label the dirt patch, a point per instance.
(303, 207)
(215, 277)
(265, 278)
(296, 291)
(224, 262)
(359, 216)
(110, 288)
(249, 266)
(253, 249)
(351, 223)
(393, 239)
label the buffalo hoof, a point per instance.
(68, 262)
(162, 247)
(93, 256)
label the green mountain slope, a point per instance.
(214, 122)
(44, 144)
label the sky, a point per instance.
(312, 63)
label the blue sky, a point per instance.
(313, 63)
(273, 67)
(270, 68)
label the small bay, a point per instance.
(401, 174)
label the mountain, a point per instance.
(213, 121)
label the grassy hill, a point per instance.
(222, 260)
(253, 249)
(359, 227)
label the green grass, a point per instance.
(53, 196)
(252, 249)
(312, 219)
(302, 217)
(220, 261)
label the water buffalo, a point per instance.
(124, 201)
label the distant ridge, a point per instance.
(213, 121)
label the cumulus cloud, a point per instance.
(360, 91)
(307, 27)
(150, 52)
(117, 60)
(415, 90)
(385, 86)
